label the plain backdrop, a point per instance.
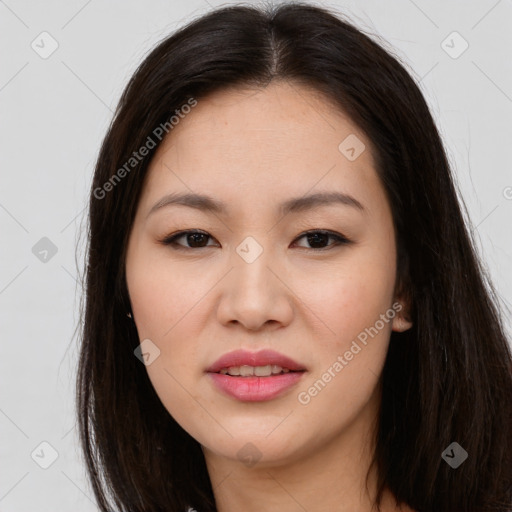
(63, 67)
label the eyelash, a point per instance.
(339, 239)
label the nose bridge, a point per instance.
(253, 295)
(251, 262)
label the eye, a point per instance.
(197, 239)
(320, 237)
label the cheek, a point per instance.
(163, 296)
(162, 314)
(166, 303)
(353, 345)
(350, 297)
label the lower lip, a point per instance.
(255, 389)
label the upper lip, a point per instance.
(261, 358)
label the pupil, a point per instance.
(323, 236)
(195, 240)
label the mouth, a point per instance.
(255, 377)
(255, 371)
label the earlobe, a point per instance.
(401, 324)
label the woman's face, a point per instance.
(253, 281)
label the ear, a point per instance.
(401, 321)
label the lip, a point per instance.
(261, 358)
(255, 389)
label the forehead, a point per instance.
(275, 142)
(275, 118)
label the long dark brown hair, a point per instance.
(447, 379)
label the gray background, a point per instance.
(55, 112)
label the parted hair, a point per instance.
(447, 379)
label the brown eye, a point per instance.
(321, 237)
(196, 239)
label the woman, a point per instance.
(284, 309)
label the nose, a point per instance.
(255, 294)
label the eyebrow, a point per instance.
(298, 204)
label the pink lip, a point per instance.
(255, 389)
(261, 358)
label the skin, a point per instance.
(253, 149)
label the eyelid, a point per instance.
(339, 238)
